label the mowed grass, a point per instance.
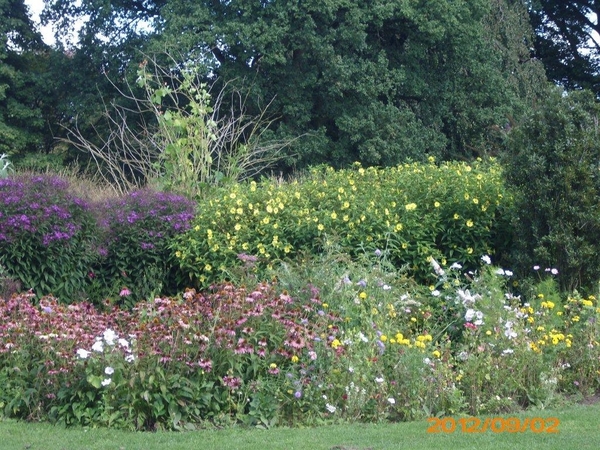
(579, 429)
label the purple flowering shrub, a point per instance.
(135, 229)
(46, 235)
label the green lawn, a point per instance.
(579, 429)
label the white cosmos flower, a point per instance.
(98, 346)
(109, 336)
(109, 370)
(486, 259)
(106, 382)
(330, 408)
(83, 354)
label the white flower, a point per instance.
(351, 369)
(123, 343)
(386, 287)
(467, 298)
(106, 382)
(426, 361)
(508, 273)
(554, 272)
(330, 408)
(379, 379)
(392, 400)
(362, 337)
(437, 268)
(500, 271)
(436, 293)
(83, 354)
(486, 259)
(508, 351)
(109, 336)
(536, 267)
(98, 346)
(129, 358)
(470, 314)
(456, 266)
(109, 370)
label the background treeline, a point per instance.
(377, 82)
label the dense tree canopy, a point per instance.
(21, 121)
(568, 41)
(378, 82)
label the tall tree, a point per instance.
(376, 81)
(21, 118)
(568, 41)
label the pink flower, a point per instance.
(125, 292)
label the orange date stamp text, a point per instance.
(493, 424)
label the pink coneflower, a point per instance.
(124, 292)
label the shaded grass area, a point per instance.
(579, 429)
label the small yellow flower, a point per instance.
(237, 227)
(469, 223)
(295, 359)
(456, 216)
(488, 333)
(470, 250)
(178, 254)
(411, 206)
(476, 201)
(320, 227)
(413, 319)
(197, 228)
(436, 353)
(272, 366)
(325, 305)
(436, 204)
(335, 344)
(333, 215)
(208, 268)
(383, 338)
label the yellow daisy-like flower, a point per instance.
(237, 227)
(470, 250)
(208, 268)
(436, 204)
(178, 254)
(335, 344)
(476, 201)
(436, 353)
(272, 366)
(362, 295)
(334, 215)
(456, 216)
(488, 333)
(320, 227)
(469, 223)
(197, 228)
(383, 338)
(411, 206)
(295, 359)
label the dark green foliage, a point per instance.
(377, 82)
(567, 41)
(46, 235)
(552, 164)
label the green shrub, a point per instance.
(453, 212)
(46, 235)
(552, 165)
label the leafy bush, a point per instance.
(46, 235)
(134, 254)
(454, 211)
(552, 166)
